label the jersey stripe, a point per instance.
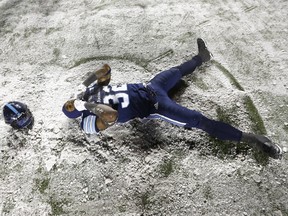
(158, 116)
(89, 124)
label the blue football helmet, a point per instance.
(18, 115)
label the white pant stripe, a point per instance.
(158, 116)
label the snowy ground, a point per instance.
(47, 46)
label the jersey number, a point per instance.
(119, 95)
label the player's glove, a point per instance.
(102, 75)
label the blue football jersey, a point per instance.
(130, 100)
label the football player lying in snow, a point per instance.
(101, 105)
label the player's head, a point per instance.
(17, 115)
(69, 109)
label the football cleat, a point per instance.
(271, 149)
(263, 144)
(203, 51)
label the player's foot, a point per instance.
(272, 149)
(203, 52)
(263, 144)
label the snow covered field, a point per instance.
(151, 168)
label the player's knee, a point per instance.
(194, 120)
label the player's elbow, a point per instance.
(110, 117)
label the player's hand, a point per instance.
(103, 75)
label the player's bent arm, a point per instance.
(102, 75)
(91, 123)
(106, 113)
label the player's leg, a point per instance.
(178, 115)
(225, 131)
(263, 144)
(174, 113)
(220, 130)
(189, 66)
(203, 55)
(168, 79)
